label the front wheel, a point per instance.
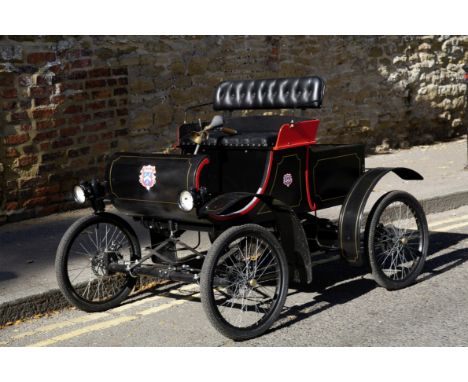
(397, 239)
(244, 281)
(82, 259)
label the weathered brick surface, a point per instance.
(68, 102)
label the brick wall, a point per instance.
(68, 102)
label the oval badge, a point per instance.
(148, 176)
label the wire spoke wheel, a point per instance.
(397, 240)
(244, 281)
(82, 258)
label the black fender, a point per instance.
(121, 220)
(352, 211)
(292, 235)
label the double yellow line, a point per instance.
(108, 323)
(449, 224)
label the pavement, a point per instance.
(27, 249)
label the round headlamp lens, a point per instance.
(186, 201)
(79, 194)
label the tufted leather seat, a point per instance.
(279, 93)
(253, 139)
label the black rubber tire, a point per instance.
(372, 221)
(207, 275)
(62, 257)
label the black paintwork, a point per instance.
(333, 170)
(174, 174)
(353, 209)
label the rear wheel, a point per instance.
(82, 257)
(397, 239)
(244, 281)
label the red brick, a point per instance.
(45, 146)
(59, 68)
(108, 135)
(123, 81)
(41, 101)
(104, 114)
(121, 132)
(27, 160)
(8, 105)
(47, 190)
(112, 103)
(26, 127)
(99, 72)
(9, 93)
(78, 75)
(30, 149)
(35, 202)
(43, 113)
(7, 79)
(119, 71)
(95, 84)
(92, 138)
(41, 80)
(52, 157)
(120, 91)
(57, 99)
(11, 206)
(70, 86)
(40, 58)
(16, 139)
(22, 115)
(11, 152)
(69, 131)
(121, 112)
(42, 125)
(112, 82)
(83, 63)
(45, 136)
(86, 52)
(96, 105)
(101, 94)
(95, 127)
(79, 96)
(73, 109)
(62, 143)
(40, 91)
(79, 118)
(78, 152)
(122, 102)
(101, 147)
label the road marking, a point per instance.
(87, 329)
(110, 323)
(451, 227)
(451, 220)
(62, 324)
(160, 308)
(136, 303)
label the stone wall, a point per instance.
(68, 102)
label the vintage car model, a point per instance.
(256, 185)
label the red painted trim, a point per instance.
(466, 76)
(203, 163)
(312, 205)
(297, 134)
(251, 205)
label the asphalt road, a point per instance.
(343, 307)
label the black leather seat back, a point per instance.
(278, 93)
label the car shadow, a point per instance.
(7, 276)
(337, 283)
